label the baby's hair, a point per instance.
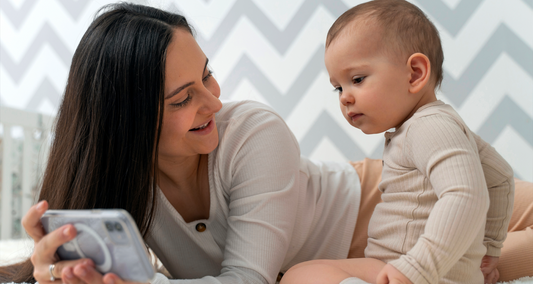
(405, 30)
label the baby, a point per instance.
(384, 58)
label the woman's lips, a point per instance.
(204, 128)
(200, 127)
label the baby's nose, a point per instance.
(346, 98)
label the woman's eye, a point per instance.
(358, 80)
(183, 103)
(209, 75)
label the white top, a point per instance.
(269, 209)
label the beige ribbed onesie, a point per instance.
(431, 223)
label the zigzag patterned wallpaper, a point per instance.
(272, 51)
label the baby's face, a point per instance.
(373, 89)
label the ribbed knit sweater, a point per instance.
(431, 223)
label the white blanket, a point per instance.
(13, 251)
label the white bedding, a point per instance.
(13, 251)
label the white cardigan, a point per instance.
(269, 208)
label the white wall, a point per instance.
(272, 51)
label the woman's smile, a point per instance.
(205, 128)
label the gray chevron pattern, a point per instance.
(281, 40)
(502, 41)
(283, 103)
(19, 16)
(507, 114)
(272, 51)
(46, 35)
(452, 19)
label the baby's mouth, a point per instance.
(354, 115)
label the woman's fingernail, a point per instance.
(40, 206)
(68, 273)
(82, 271)
(110, 280)
(67, 231)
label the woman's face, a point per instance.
(191, 101)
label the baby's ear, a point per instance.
(420, 69)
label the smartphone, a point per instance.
(107, 236)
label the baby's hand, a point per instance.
(389, 274)
(488, 267)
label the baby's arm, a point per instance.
(438, 147)
(500, 183)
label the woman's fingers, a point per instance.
(44, 253)
(87, 273)
(43, 273)
(32, 220)
(64, 270)
(111, 278)
(46, 248)
(68, 277)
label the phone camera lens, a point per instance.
(109, 226)
(118, 227)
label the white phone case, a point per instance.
(107, 236)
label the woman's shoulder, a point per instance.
(249, 132)
(239, 121)
(240, 109)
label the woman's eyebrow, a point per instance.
(180, 88)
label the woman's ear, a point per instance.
(420, 69)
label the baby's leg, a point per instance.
(369, 171)
(517, 251)
(333, 271)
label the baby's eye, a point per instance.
(338, 90)
(358, 80)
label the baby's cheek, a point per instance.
(345, 114)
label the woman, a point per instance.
(221, 198)
(137, 130)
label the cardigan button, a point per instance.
(200, 227)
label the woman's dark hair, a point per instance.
(105, 141)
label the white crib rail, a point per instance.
(30, 123)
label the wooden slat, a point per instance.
(28, 173)
(26, 119)
(7, 182)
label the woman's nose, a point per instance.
(211, 101)
(346, 98)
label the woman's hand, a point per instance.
(44, 254)
(45, 246)
(88, 274)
